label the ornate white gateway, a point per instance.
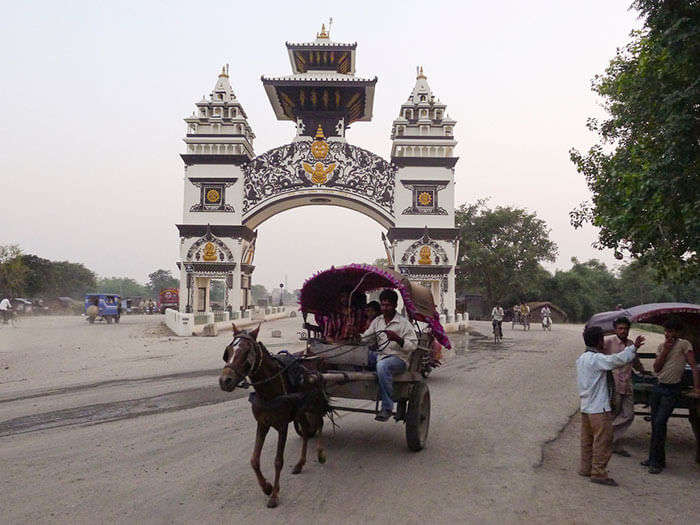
(229, 191)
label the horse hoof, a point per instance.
(272, 502)
(321, 456)
(268, 488)
(296, 469)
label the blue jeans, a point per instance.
(663, 400)
(386, 368)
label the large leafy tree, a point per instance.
(69, 279)
(13, 271)
(57, 278)
(160, 280)
(500, 251)
(644, 172)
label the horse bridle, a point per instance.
(254, 358)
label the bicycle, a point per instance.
(547, 323)
(497, 330)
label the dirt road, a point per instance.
(125, 423)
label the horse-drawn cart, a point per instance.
(345, 366)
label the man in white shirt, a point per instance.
(5, 308)
(594, 388)
(497, 319)
(396, 339)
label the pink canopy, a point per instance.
(323, 289)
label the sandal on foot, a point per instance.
(604, 481)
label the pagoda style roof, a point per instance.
(343, 95)
(318, 76)
(320, 43)
(322, 89)
(322, 55)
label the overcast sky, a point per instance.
(94, 93)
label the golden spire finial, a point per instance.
(419, 73)
(319, 133)
(323, 33)
(224, 71)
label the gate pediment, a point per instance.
(307, 168)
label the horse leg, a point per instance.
(321, 453)
(260, 435)
(305, 441)
(279, 462)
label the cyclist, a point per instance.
(497, 321)
(546, 314)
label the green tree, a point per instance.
(639, 284)
(587, 288)
(57, 279)
(159, 280)
(67, 279)
(643, 173)
(124, 286)
(13, 271)
(38, 275)
(217, 291)
(258, 291)
(500, 250)
(381, 263)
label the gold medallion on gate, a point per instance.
(319, 149)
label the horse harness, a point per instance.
(255, 360)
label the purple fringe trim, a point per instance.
(433, 321)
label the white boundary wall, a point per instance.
(182, 324)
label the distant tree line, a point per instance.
(500, 258)
(30, 276)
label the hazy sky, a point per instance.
(94, 93)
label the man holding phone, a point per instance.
(671, 357)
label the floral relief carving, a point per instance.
(295, 167)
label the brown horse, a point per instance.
(273, 404)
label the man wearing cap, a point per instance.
(594, 386)
(623, 398)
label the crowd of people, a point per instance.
(604, 375)
(520, 314)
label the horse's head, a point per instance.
(242, 356)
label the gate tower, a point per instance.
(229, 191)
(424, 238)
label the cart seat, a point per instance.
(341, 376)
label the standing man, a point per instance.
(525, 315)
(594, 386)
(623, 401)
(396, 339)
(516, 313)
(671, 357)
(5, 309)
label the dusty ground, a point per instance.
(126, 423)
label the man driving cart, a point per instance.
(395, 339)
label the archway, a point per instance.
(229, 191)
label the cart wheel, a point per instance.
(91, 320)
(297, 428)
(116, 319)
(108, 319)
(418, 417)
(425, 371)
